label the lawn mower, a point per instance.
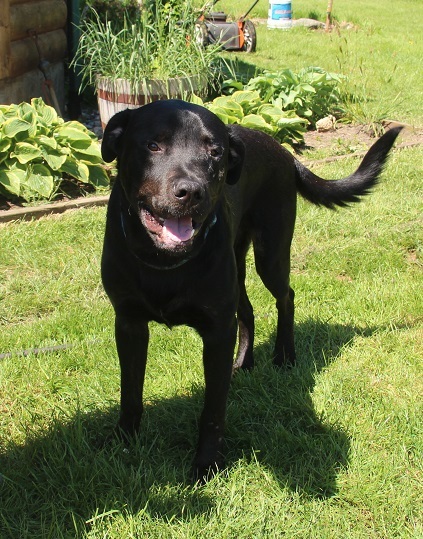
(213, 27)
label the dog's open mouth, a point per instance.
(170, 231)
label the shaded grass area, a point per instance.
(329, 449)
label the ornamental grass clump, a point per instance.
(158, 44)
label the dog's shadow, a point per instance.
(272, 412)
(271, 419)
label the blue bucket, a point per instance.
(280, 14)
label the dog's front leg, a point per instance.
(132, 343)
(218, 354)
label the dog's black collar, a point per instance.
(162, 267)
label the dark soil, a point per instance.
(357, 136)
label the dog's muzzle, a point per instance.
(169, 231)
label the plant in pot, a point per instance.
(144, 55)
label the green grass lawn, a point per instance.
(382, 54)
(331, 449)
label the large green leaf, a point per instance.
(45, 141)
(196, 100)
(289, 117)
(231, 107)
(231, 85)
(40, 181)
(45, 112)
(5, 144)
(14, 126)
(223, 114)
(25, 152)
(28, 114)
(76, 169)
(25, 109)
(307, 88)
(53, 158)
(271, 113)
(90, 155)
(247, 99)
(253, 121)
(10, 180)
(98, 176)
(73, 124)
(76, 138)
(9, 111)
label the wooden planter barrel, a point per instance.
(116, 95)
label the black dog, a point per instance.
(191, 196)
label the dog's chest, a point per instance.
(174, 306)
(172, 312)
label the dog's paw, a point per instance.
(284, 360)
(125, 433)
(202, 473)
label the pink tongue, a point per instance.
(178, 229)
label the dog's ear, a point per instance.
(110, 146)
(236, 157)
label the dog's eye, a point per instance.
(153, 146)
(215, 152)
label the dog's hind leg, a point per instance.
(244, 358)
(273, 266)
(284, 351)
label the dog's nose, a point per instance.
(188, 191)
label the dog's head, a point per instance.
(173, 160)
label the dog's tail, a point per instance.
(331, 193)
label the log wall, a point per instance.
(31, 35)
(4, 38)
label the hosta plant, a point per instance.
(38, 149)
(248, 109)
(311, 93)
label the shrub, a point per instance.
(311, 93)
(248, 109)
(37, 149)
(280, 103)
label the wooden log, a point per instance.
(24, 55)
(40, 16)
(14, 2)
(32, 84)
(4, 38)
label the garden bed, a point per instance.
(356, 137)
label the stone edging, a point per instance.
(35, 212)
